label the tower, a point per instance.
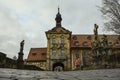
(58, 46)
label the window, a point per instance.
(85, 54)
(85, 43)
(77, 54)
(110, 43)
(117, 44)
(34, 54)
(118, 37)
(53, 52)
(62, 40)
(53, 40)
(74, 37)
(41, 65)
(109, 52)
(43, 54)
(62, 52)
(89, 37)
(76, 43)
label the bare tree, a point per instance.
(111, 11)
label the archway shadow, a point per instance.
(58, 66)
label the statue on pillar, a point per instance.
(104, 41)
(20, 61)
(104, 45)
(96, 31)
(96, 45)
(96, 40)
(21, 45)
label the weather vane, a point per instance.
(58, 3)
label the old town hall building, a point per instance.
(66, 50)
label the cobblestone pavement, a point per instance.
(13, 74)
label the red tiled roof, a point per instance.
(82, 40)
(37, 54)
(40, 54)
(88, 38)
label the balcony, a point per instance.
(59, 57)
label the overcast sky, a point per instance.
(29, 19)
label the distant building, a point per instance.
(6, 62)
(66, 50)
(37, 56)
(2, 59)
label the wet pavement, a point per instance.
(14, 74)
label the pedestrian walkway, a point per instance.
(13, 74)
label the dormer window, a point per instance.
(89, 37)
(34, 54)
(43, 54)
(85, 43)
(74, 37)
(76, 43)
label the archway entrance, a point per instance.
(58, 66)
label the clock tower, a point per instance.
(58, 47)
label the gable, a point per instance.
(58, 30)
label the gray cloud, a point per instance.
(29, 19)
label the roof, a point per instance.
(77, 41)
(37, 54)
(85, 40)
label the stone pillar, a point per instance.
(20, 62)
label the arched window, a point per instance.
(76, 43)
(89, 37)
(85, 43)
(74, 37)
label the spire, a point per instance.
(58, 18)
(58, 9)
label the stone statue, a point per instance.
(96, 45)
(20, 61)
(21, 45)
(105, 41)
(96, 31)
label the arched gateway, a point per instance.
(58, 66)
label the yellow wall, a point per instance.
(51, 46)
(38, 64)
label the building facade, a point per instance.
(6, 62)
(67, 51)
